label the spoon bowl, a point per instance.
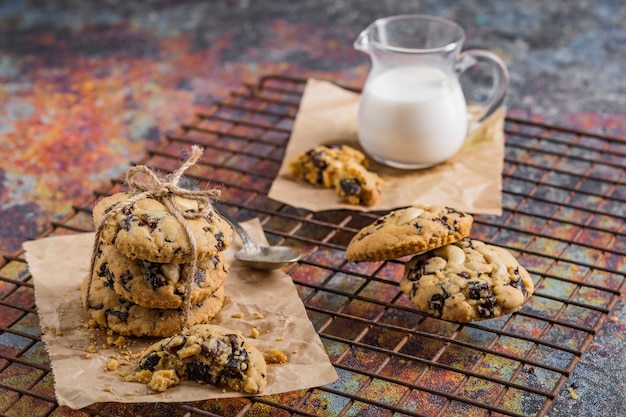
(261, 257)
(267, 257)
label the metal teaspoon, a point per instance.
(260, 257)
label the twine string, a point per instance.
(144, 183)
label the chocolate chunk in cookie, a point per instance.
(356, 184)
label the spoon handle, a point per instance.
(245, 237)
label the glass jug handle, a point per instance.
(500, 79)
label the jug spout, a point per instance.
(362, 42)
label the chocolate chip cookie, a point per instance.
(408, 231)
(466, 281)
(340, 167)
(148, 230)
(111, 311)
(212, 355)
(159, 285)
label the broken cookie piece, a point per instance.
(212, 355)
(340, 167)
(356, 184)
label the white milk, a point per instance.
(412, 117)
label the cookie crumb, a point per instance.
(254, 333)
(112, 365)
(258, 316)
(92, 348)
(143, 376)
(280, 339)
(238, 315)
(275, 356)
(119, 342)
(88, 356)
(572, 393)
(163, 379)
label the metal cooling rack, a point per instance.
(563, 218)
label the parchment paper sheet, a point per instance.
(470, 181)
(59, 264)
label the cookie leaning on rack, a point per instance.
(408, 231)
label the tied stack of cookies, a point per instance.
(158, 264)
(158, 269)
(450, 275)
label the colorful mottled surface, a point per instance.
(88, 87)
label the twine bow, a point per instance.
(144, 183)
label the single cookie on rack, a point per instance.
(147, 230)
(159, 285)
(209, 354)
(111, 311)
(340, 167)
(466, 281)
(408, 231)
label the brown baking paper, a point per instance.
(470, 181)
(268, 300)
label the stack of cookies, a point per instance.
(450, 275)
(143, 261)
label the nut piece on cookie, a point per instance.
(212, 355)
(466, 281)
(340, 167)
(407, 231)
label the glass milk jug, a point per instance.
(413, 112)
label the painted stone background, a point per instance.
(86, 87)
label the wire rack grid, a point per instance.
(563, 196)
